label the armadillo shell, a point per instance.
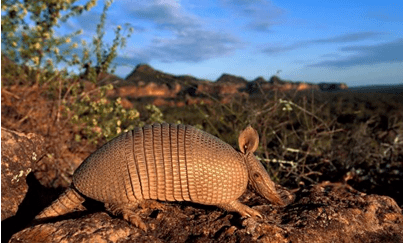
(165, 162)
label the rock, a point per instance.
(19, 153)
(332, 86)
(276, 80)
(303, 86)
(192, 101)
(258, 86)
(146, 82)
(148, 90)
(259, 79)
(98, 227)
(144, 74)
(335, 212)
(327, 212)
(206, 89)
(343, 86)
(126, 103)
(231, 79)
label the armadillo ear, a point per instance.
(248, 140)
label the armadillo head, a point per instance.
(259, 180)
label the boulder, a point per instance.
(326, 212)
(19, 154)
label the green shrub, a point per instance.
(38, 50)
(28, 31)
(99, 117)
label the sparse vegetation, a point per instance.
(37, 50)
(311, 136)
(68, 106)
(305, 137)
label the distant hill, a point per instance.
(390, 89)
(144, 82)
(230, 79)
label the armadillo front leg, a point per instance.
(128, 213)
(242, 209)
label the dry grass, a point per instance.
(305, 137)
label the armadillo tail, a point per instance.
(66, 203)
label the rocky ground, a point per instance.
(352, 191)
(326, 212)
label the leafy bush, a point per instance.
(29, 37)
(101, 118)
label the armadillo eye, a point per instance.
(256, 175)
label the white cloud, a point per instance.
(390, 52)
(344, 38)
(193, 46)
(164, 14)
(186, 36)
(261, 15)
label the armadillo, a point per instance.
(168, 162)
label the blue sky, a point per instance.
(355, 42)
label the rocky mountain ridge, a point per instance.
(167, 89)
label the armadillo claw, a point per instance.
(134, 220)
(127, 213)
(250, 212)
(242, 209)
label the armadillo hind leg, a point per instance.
(128, 213)
(242, 209)
(66, 203)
